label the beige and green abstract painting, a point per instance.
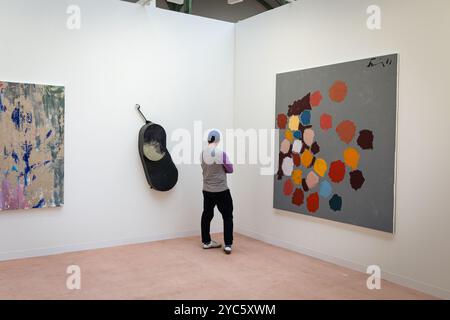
(31, 146)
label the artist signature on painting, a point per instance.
(375, 62)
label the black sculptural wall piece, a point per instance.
(160, 171)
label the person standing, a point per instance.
(216, 166)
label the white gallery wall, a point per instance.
(178, 67)
(312, 33)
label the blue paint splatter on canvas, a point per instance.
(40, 204)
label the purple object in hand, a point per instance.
(227, 165)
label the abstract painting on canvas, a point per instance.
(337, 133)
(31, 146)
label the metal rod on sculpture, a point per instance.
(138, 108)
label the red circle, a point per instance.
(281, 121)
(326, 121)
(312, 202)
(337, 171)
(288, 187)
(315, 99)
(298, 197)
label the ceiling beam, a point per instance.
(266, 5)
(188, 6)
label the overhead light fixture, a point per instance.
(234, 1)
(176, 1)
(147, 2)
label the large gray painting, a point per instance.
(337, 131)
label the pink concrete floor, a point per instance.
(180, 269)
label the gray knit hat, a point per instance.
(213, 136)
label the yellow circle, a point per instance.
(294, 123)
(297, 176)
(289, 135)
(320, 167)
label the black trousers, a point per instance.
(224, 203)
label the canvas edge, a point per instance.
(397, 108)
(54, 84)
(317, 66)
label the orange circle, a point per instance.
(338, 91)
(307, 158)
(351, 158)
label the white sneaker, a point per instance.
(227, 249)
(211, 245)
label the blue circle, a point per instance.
(305, 118)
(335, 203)
(325, 189)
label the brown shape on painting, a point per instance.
(356, 179)
(282, 121)
(304, 185)
(300, 105)
(315, 148)
(313, 162)
(281, 157)
(346, 131)
(365, 139)
(296, 159)
(298, 197)
(338, 91)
